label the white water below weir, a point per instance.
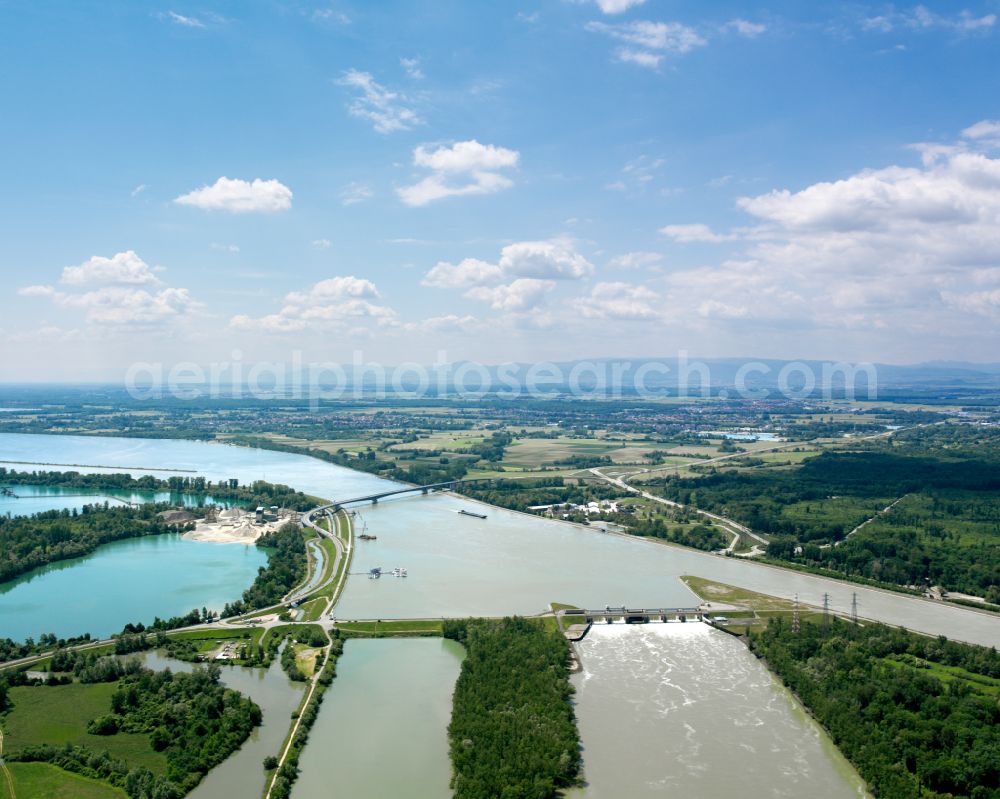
(682, 709)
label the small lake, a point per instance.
(740, 435)
(382, 727)
(35, 499)
(126, 581)
(685, 710)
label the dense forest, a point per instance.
(917, 716)
(513, 731)
(27, 542)
(257, 493)
(943, 527)
(192, 718)
(286, 568)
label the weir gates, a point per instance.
(630, 615)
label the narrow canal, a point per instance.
(382, 727)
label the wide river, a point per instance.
(457, 565)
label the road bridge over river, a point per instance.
(393, 492)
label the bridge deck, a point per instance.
(397, 491)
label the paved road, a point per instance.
(733, 527)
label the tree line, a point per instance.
(513, 730)
(917, 716)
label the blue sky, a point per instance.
(508, 181)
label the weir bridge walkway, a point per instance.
(630, 615)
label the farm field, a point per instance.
(44, 780)
(59, 714)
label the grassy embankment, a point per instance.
(752, 608)
(381, 629)
(333, 578)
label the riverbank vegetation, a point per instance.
(253, 494)
(569, 498)
(918, 717)
(513, 730)
(27, 542)
(523, 494)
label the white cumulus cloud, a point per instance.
(338, 303)
(619, 301)
(522, 294)
(900, 251)
(122, 268)
(184, 21)
(921, 18)
(354, 193)
(468, 272)
(240, 196)
(552, 259)
(464, 168)
(750, 30)
(643, 58)
(617, 6)
(412, 68)
(647, 42)
(985, 133)
(120, 291)
(636, 260)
